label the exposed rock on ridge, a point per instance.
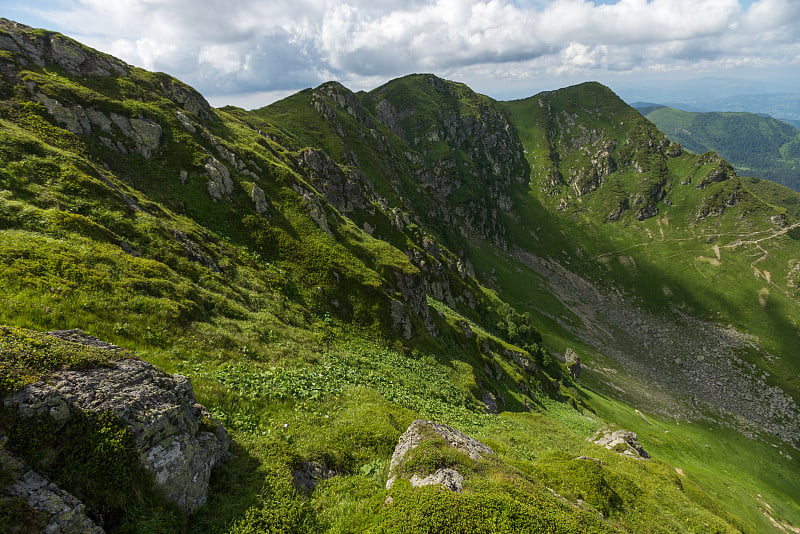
(50, 47)
(62, 512)
(176, 439)
(622, 442)
(421, 430)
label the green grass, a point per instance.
(756, 145)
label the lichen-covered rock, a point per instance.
(39, 48)
(67, 514)
(449, 479)
(145, 133)
(622, 442)
(176, 439)
(62, 512)
(219, 183)
(573, 362)
(420, 430)
(259, 198)
(82, 338)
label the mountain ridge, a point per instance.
(755, 144)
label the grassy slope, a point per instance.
(231, 299)
(553, 235)
(756, 145)
(726, 293)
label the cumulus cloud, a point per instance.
(252, 46)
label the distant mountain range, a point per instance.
(782, 106)
(757, 145)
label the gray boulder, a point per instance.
(449, 479)
(30, 46)
(573, 362)
(176, 438)
(258, 197)
(421, 430)
(65, 513)
(622, 442)
(62, 512)
(219, 183)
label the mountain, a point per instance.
(414, 309)
(756, 145)
(782, 106)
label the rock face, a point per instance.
(573, 362)
(176, 438)
(220, 185)
(421, 430)
(309, 474)
(449, 479)
(622, 442)
(65, 513)
(41, 48)
(143, 135)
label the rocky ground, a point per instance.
(699, 363)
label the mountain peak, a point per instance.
(40, 47)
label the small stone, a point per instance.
(417, 432)
(622, 442)
(449, 479)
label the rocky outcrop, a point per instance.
(573, 362)
(143, 135)
(258, 197)
(721, 171)
(343, 189)
(622, 442)
(490, 402)
(62, 512)
(388, 115)
(41, 48)
(175, 437)
(616, 213)
(591, 177)
(421, 430)
(187, 98)
(717, 202)
(644, 202)
(220, 185)
(346, 100)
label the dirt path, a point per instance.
(738, 243)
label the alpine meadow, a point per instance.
(413, 309)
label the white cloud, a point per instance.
(253, 46)
(224, 58)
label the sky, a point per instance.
(250, 53)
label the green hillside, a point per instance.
(331, 267)
(756, 145)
